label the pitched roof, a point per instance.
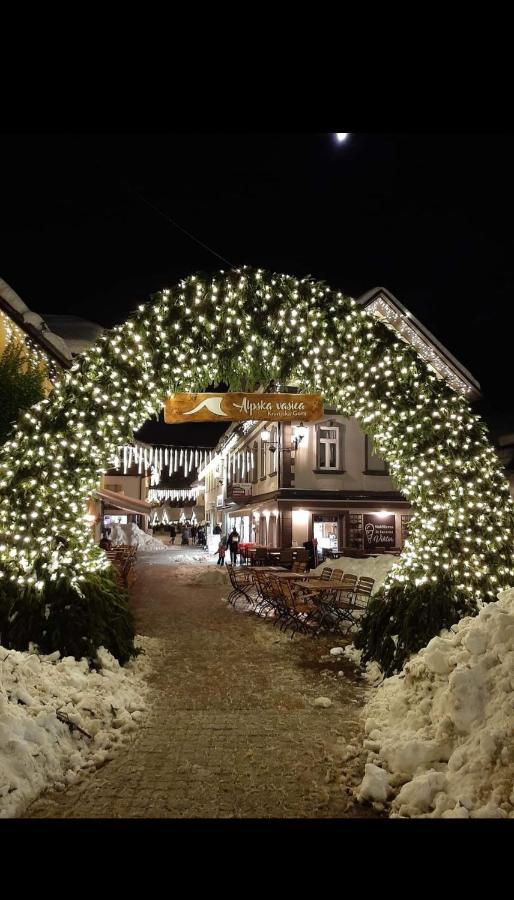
(33, 325)
(386, 306)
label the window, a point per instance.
(264, 455)
(374, 464)
(255, 460)
(355, 530)
(273, 454)
(328, 447)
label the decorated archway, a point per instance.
(248, 326)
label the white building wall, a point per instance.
(353, 462)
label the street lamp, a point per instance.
(299, 435)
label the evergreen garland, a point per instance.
(21, 385)
(249, 326)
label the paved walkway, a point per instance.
(232, 730)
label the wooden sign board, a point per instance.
(234, 407)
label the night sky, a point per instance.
(427, 216)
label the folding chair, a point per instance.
(337, 575)
(355, 600)
(260, 556)
(264, 600)
(242, 585)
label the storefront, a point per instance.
(363, 528)
(242, 524)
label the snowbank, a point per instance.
(375, 567)
(190, 559)
(44, 700)
(133, 535)
(441, 731)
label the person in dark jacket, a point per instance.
(233, 546)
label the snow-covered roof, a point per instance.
(383, 304)
(33, 325)
(78, 333)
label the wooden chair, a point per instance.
(337, 575)
(299, 567)
(297, 611)
(265, 598)
(260, 556)
(363, 593)
(326, 574)
(242, 583)
(351, 603)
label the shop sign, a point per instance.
(242, 407)
(239, 491)
(379, 531)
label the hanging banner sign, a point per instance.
(379, 531)
(236, 407)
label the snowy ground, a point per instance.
(59, 718)
(440, 734)
(202, 565)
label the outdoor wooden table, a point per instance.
(320, 586)
(288, 574)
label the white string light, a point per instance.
(249, 324)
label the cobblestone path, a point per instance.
(231, 730)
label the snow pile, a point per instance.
(375, 567)
(45, 700)
(190, 559)
(441, 732)
(133, 535)
(371, 672)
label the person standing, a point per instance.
(221, 552)
(233, 545)
(193, 533)
(173, 534)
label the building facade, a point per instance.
(281, 485)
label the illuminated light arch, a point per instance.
(247, 326)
